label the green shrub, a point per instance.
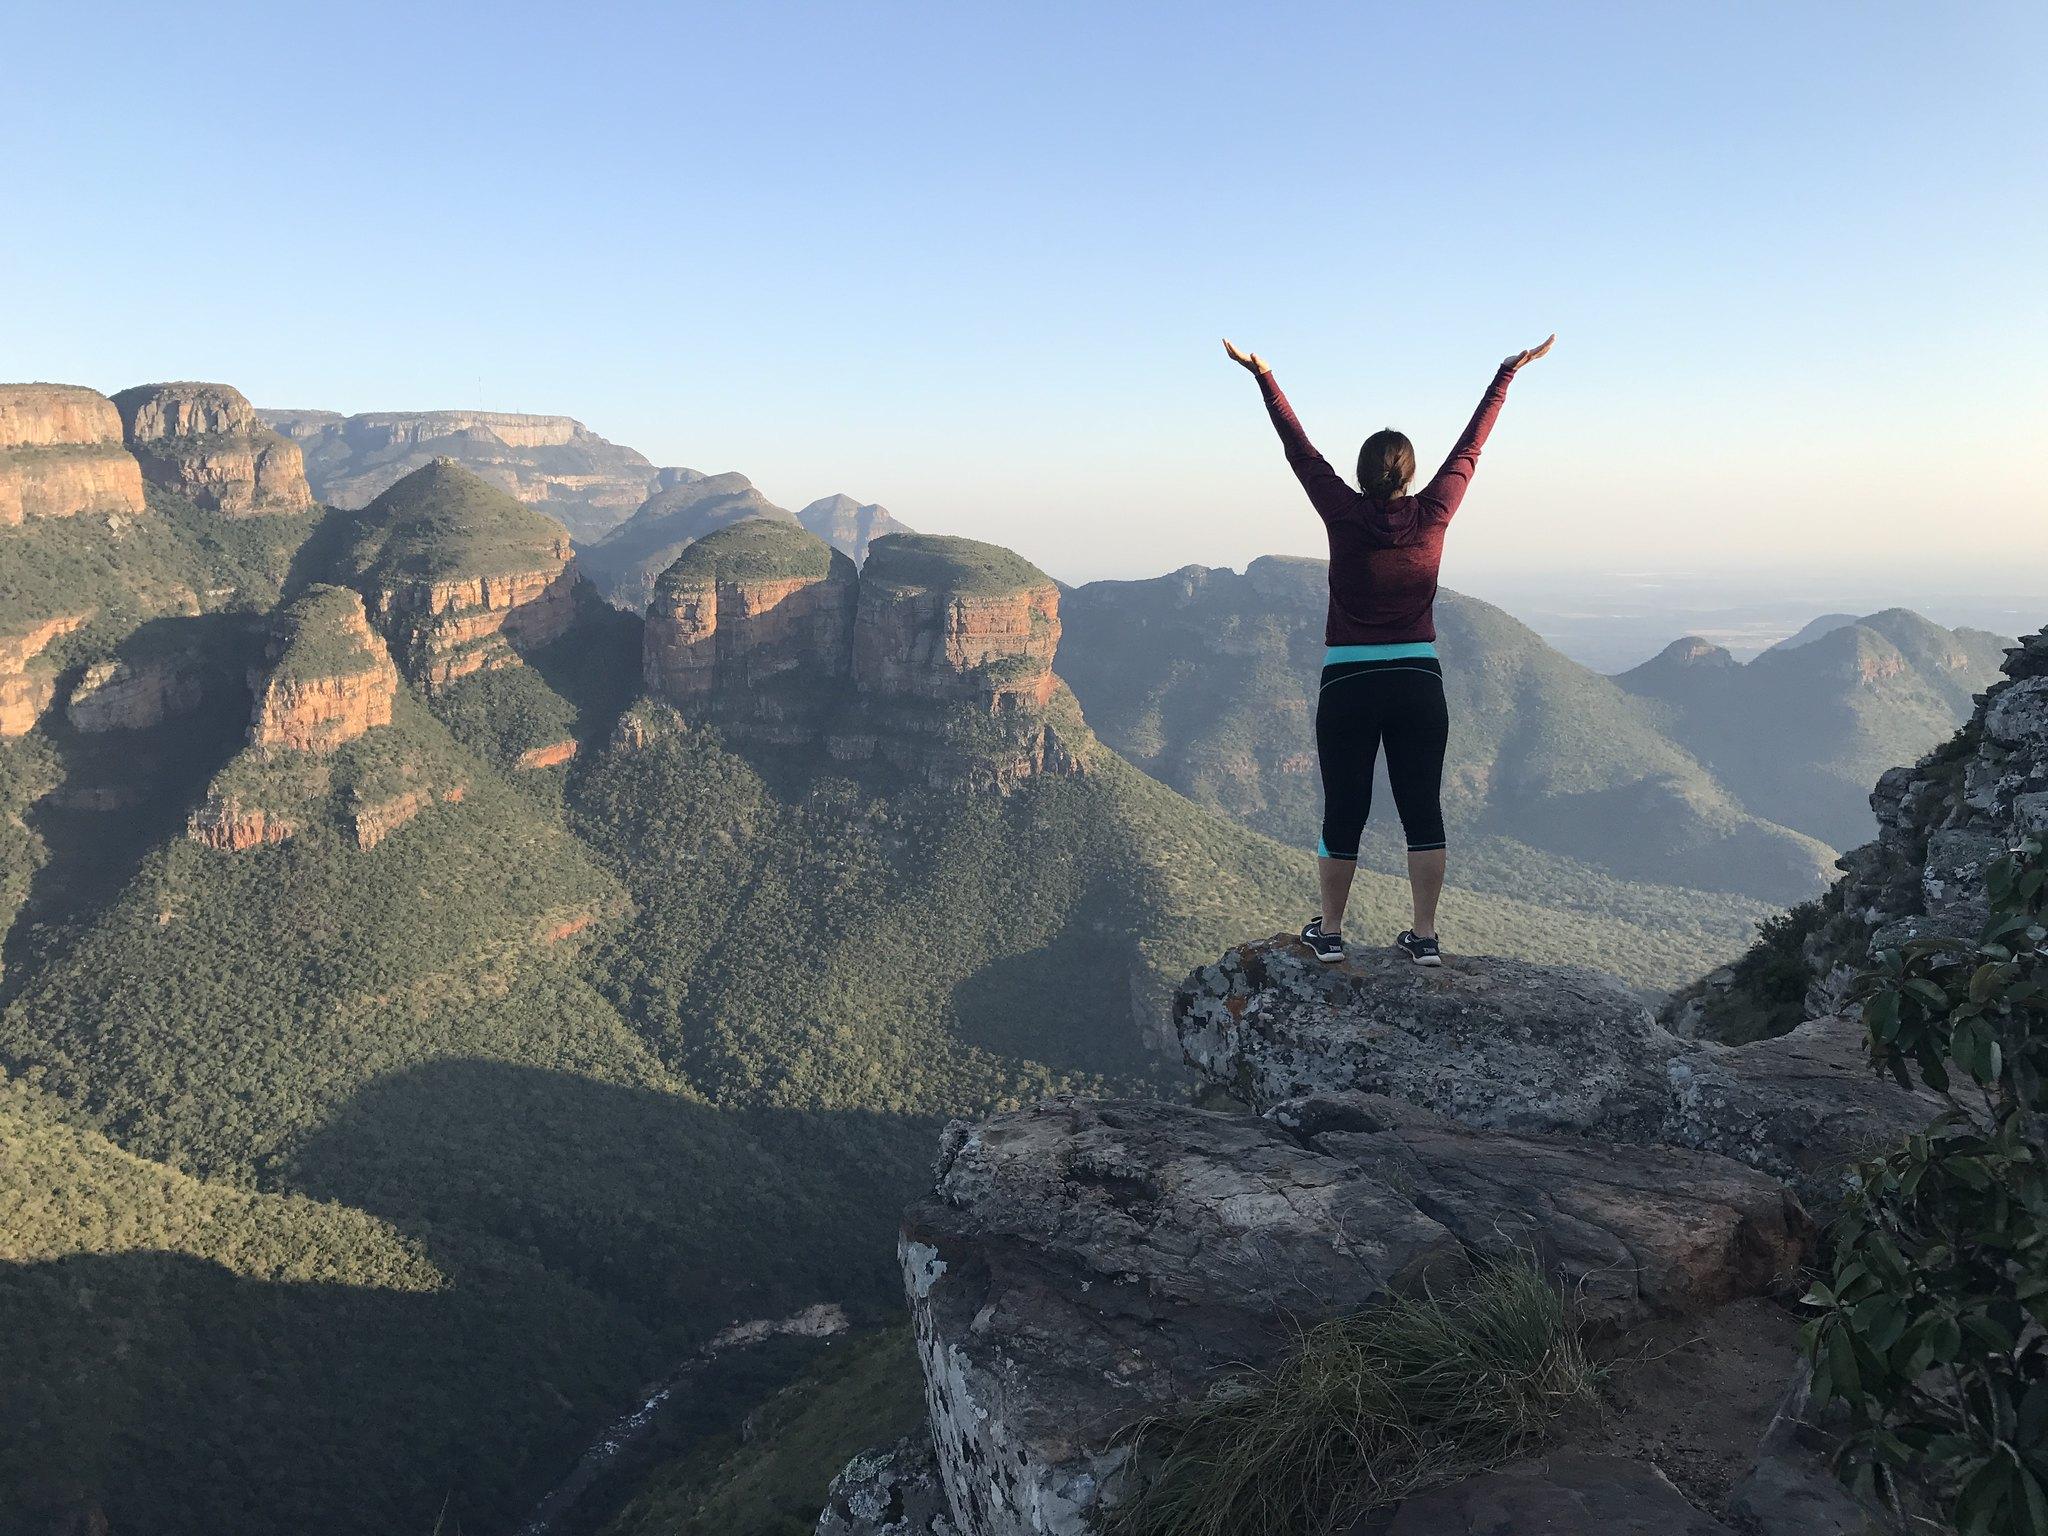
(1365, 1411)
(1930, 1330)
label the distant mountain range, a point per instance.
(1206, 679)
(1801, 732)
(554, 464)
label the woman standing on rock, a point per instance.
(1382, 682)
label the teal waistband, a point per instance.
(1336, 655)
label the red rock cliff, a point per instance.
(330, 679)
(61, 455)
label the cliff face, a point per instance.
(204, 442)
(1941, 824)
(460, 577)
(1081, 1268)
(330, 679)
(936, 658)
(754, 625)
(61, 455)
(552, 463)
(26, 689)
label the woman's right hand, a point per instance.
(1250, 361)
(1529, 356)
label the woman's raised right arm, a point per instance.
(1327, 492)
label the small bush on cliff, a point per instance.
(1931, 1323)
(1365, 1411)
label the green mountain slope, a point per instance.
(1802, 731)
(1207, 678)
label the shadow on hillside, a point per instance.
(324, 554)
(177, 1396)
(590, 1236)
(595, 666)
(684, 1214)
(125, 791)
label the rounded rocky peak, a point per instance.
(443, 521)
(755, 549)
(1694, 651)
(153, 412)
(936, 562)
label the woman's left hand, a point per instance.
(1247, 360)
(1529, 356)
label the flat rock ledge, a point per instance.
(1081, 1266)
(1506, 1045)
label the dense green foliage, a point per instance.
(445, 523)
(942, 563)
(175, 559)
(1763, 993)
(756, 549)
(1932, 1318)
(1365, 1411)
(864, 1392)
(323, 633)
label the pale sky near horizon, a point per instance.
(972, 260)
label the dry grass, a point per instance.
(1365, 1411)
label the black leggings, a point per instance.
(1362, 704)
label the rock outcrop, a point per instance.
(1941, 823)
(1504, 1045)
(554, 464)
(131, 693)
(28, 682)
(891, 1492)
(1083, 1265)
(330, 678)
(205, 443)
(460, 577)
(1500, 1044)
(61, 455)
(320, 746)
(936, 658)
(754, 622)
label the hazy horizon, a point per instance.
(973, 264)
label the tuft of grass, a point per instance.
(1365, 1411)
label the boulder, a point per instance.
(1496, 1043)
(1080, 1266)
(1804, 1106)
(1569, 1494)
(1658, 1231)
(894, 1491)
(1506, 1045)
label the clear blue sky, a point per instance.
(972, 259)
